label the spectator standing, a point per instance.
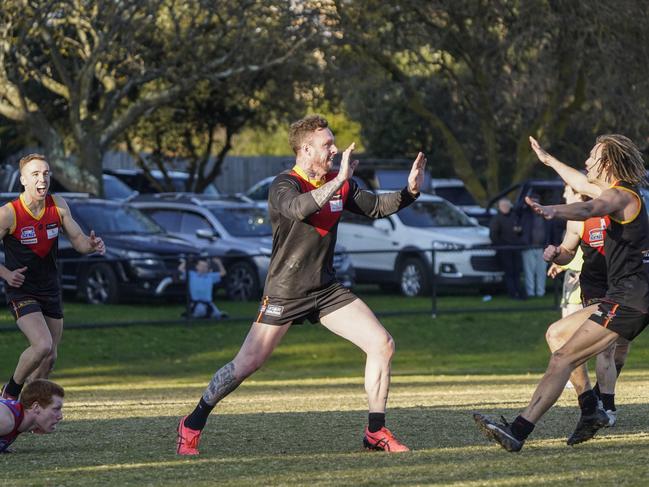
(505, 231)
(535, 236)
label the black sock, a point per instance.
(588, 402)
(608, 400)
(596, 390)
(13, 388)
(197, 419)
(521, 428)
(377, 421)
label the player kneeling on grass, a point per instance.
(38, 409)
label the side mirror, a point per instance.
(383, 225)
(206, 233)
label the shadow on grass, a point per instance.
(318, 447)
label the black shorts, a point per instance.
(281, 311)
(21, 305)
(623, 320)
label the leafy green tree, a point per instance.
(481, 76)
(76, 74)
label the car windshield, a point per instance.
(458, 195)
(243, 222)
(116, 189)
(425, 214)
(110, 219)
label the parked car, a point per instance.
(238, 232)
(137, 180)
(454, 190)
(141, 259)
(407, 237)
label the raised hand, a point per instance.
(347, 167)
(416, 176)
(17, 277)
(546, 212)
(96, 243)
(543, 156)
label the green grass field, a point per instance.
(299, 420)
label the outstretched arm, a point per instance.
(620, 204)
(571, 176)
(82, 243)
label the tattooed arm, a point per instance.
(222, 384)
(285, 194)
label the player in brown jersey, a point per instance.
(615, 164)
(29, 228)
(305, 205)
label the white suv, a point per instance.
(462, 248)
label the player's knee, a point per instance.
(561, 360)
(385, 347)
(247, 365)
(607, 354)
(553, 336)
(42, 349)
(391, 346)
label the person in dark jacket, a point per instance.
(535, 233)
(504, 230)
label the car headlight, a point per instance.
(441, 245)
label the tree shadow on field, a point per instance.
(297, 447)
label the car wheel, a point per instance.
(414, 279)
(242, 283)
(100, 285)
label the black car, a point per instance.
(141, 259)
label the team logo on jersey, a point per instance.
(274, 310)
(52, 230)
(28, 236)
(336, 203)
(596, 237)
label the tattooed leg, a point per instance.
(257, 347)
(222, 384)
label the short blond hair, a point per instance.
(29, 158)
(303, 128)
